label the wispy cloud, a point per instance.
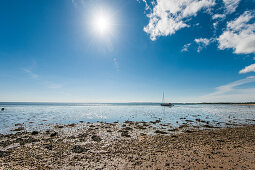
(202, 43)
(247, 69)
(53, 86)
(230, 87)
(115, 62)
(31, 73)
(186, 47)
(231, 5)
(46, 83)
(76, 3)
(231, 92)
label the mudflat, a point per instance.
(129, 145)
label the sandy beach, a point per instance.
(129, 145)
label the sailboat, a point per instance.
(165, 104)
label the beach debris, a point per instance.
(53, 134)
(4, 153)
(189, 131)
(72, 125)
(160, 132)
(208, 126)
(125, 134)
(5, 143)
(203, 121)
(165, 124)
(173, 130)
(35, 133)
(251, 120)
(59, 126)
(48, 146)
(96, 138)
(18, 129)
(2, 109)
(82, 135)
(183, 126)
(18, 124)
(47, 131)
(156, 121)
(78, 149)
(129, 122)
(127, 128)
(23, 141)
(140, 127)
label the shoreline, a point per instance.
(243, 104)
(129, 145)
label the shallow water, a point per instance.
(41, 115)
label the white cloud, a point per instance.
(231, 5)
(169, 16)
(247, 69)
(218, 16)
(215, 25)
(186, 47)
(230, 92)
(239, 35)
(146, 5)
(202, 43)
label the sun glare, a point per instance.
(102, 24)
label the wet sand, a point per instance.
(129, 145)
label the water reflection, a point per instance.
(40, 115)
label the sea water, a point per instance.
(40, 115)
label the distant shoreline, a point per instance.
(246, 104)
(120, 103)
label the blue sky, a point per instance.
(127, 50)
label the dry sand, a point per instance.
(130, 145)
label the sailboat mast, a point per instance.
(163, 99)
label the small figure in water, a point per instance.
(2, 109)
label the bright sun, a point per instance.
(102, 23)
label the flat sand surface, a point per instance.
(129, 146)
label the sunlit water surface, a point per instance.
(39, 115)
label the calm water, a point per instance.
(40, 115)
